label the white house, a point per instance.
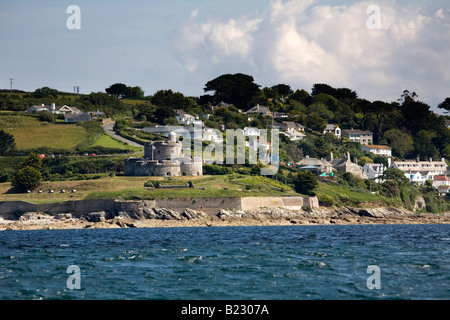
(184, 118)
(53, 108)
(383, 151)
(292, 130)
(374, 171)
(441, 181)
(334, 129)
(420, 171)
(361, 136)
(259, 110)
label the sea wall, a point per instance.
(211, 206)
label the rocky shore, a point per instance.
(142, 217)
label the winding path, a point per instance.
(109, 131)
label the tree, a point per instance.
(445, 105)
(46, 116)
(401, 142)
(7, 143)
(306, 183)
(395, 175)
(238, 89)
(26, 178)
(45, 92)
(33, 160)
(118, 89)
(316, 123)
(423, 143)
(283, 89)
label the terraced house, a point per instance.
(419, 172)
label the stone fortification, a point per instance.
(164, 159)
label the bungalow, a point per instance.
(334, 129)
(184, 118)
(383, 151)
(361, 136)
(420, 171)
(315, 165)
(53, 109)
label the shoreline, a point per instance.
(262, 217)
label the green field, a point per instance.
(30, 133)
(133, 188)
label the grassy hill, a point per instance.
(31, 134)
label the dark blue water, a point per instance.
(246, 263)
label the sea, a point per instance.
(387, 262)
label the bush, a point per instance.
(306, 183)
(325, 200)
(26, 178)
(215, 170)
(46, 116)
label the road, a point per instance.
(109, 131)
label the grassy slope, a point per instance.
(132, 188)
(30, 133)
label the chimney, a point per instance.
(389, 162)
(431, 160)
(53, 107)
(331, 156)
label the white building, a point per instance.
(383, 151)
(420, 171)
(334, 129)
(374, 171)
(53, 108)
(184, 118)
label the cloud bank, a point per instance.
(300, 43)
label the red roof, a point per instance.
(441, 178)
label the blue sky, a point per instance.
(180, 45)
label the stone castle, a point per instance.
(164, 159)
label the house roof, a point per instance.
(378, 147)
(352, 131)
(181, 113)
(331, 127)
(441, 178)
(259, 110)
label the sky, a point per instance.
(377, 48)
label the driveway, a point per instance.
(109, 131)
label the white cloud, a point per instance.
(302, 43)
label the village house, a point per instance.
(53, 108)
(361, 136)
(334, 129)
(345, 165)
(383, 151)
(419, 172)
(259, 110)
(374, 171)
(441, 181)
(291, 129)
(184, 118)
(315, 165)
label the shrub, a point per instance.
(306, 183)
(26, 178)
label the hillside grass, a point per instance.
(107, 141)
(133, 188)
(30, 133)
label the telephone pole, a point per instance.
(11, 83)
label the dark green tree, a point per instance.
(45, 92)
(238, 89)
(395, 175)
(306, 183)
(118, 89)
(26, 178)
(46, 116)
(7, 143)
(445, 105)
(33, 160)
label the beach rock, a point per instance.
(61, 216)
(167, 214)
(190, 214)
(34, 216)
(95, 217)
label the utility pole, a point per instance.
(11, 83)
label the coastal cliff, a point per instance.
(140, 215)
